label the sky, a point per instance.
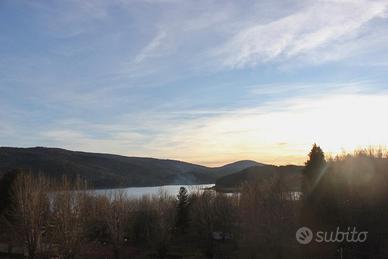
(208, 82)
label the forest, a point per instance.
(46, 218)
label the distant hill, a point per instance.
(234, 167)
(106, 170)
(290, 174)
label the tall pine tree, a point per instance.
(310, 216)
(182, 218)
(313, 170)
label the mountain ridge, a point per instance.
(104, 170)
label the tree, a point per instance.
(116, 214)
(213, 222)
(30, 215)
(144, 219)
(69, 216)
(164, 223)
(6, 183)
(154, 222)
(267, 218)
(314, 209)
(182, 217)
(313, 170)
(203, 220)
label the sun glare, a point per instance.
(270, 134)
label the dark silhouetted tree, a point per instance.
(182, 218)
(6, 183)
(310, 213)
(313, 170)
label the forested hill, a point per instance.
(290, 175)
(107, 170)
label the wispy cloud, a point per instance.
(221, 35)
(317, 25)
(306, 88)
(151, 47)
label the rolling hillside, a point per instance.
(106, 170)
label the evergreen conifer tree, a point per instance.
(182, 218)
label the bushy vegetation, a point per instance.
(64, 218)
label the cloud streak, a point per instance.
(150, 48)
(315, 26)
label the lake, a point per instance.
(138, 192)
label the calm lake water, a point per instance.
(138, 192)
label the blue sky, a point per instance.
(208, 82)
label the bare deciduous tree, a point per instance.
(31, 210)
(69, 216)
(163, 228)
(267, 214)
(213, 216)
(116, 214)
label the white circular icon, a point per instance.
(304, 235)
